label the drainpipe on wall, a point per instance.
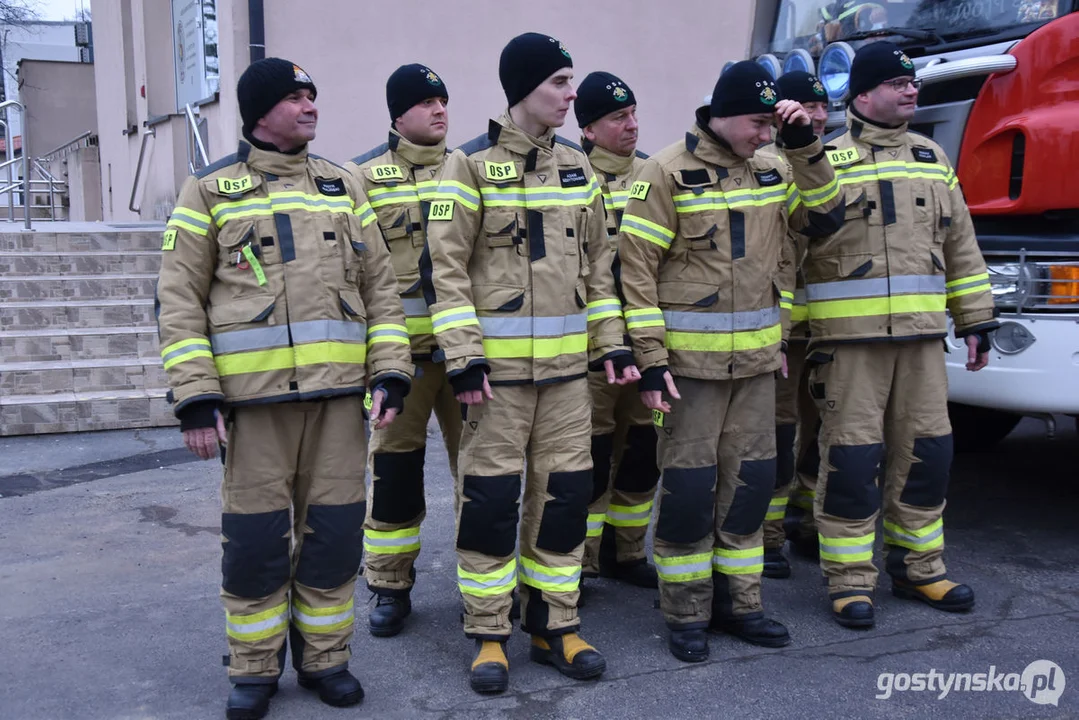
(257, 26)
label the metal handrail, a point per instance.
(146, 134)
(193, 132)
(69, 143)
(25, 160)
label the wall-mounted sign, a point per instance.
(194, 40)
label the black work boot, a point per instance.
(753, 628)
(387, 617)
(569, 654)
(249, 701)
(338, 688)
(490, 670)
(776, 566)
(635, 572)
(943, 594)
(853, 611)
(688, 645)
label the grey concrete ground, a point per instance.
(109, 562)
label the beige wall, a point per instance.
(670, 53)
(59, 99)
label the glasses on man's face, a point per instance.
(900, 84)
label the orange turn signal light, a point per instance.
(1064, 285)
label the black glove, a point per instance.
(395, 389)
(796, 136)
(652, 379)
(198, 415)
(471, 378)
(983, 342)
(620, 358)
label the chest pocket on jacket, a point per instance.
(701, 208)
(504, 259)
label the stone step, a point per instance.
(40, 314)
(83, 411)
(78, 287)
(97, 375)
(51, 344)
(29, 263)
(95, 239)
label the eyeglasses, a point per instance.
(900, 84)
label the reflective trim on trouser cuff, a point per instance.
(738, 562)
(595, 524)
(803, 499)
(847, 550)
(551, 579)
(252, 628)
(777, 508)
(393, 542)
(928, 538)
(629, 515)
(498, 582)
(684, 568)
(322, 620)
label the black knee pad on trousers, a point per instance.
(256, 560)
(331, 552)
(397, 491)
(852, 491)
(751, 500)
(565, 516)
(602, 449)
(927, 481)
(687, 508)
(489, 518)
(637, 473)
(785, 455)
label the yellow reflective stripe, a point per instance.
(549, 578)
(967, 291)
(366, 214)
(455, 317)
(185, 350)
(190, 220)
(594, 526)
(684, 568)
(330, 352)
(818, 197)
(391, 542)
(453, 190)
(777, 508)
(191, 214)
(724, 342)
(387, 333)
(799, 313)
(738, 562)
(498, 582)
(281, 202)
(419, 326)
(322, 620)
(794, 199)
(537, 348)
(847, 550)
(928, 538)
(608, 307)
(647, 230)
(289, 357)
(629, 515)
(828, 309)
(644, 318)
(968, 279)
(259, 626)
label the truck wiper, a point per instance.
(926, 34)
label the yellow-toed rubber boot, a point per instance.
(569, 654)
(853, 611)
(943, 594)
(490, 670)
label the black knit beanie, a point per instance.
(745, 88)
(800, 86)
(528, 60)
(412, 84)
(598, 94)
(264, 83)
(876, 62)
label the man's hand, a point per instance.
(476, 397)
(653, 399)
(975, 360)
(630, 374)
(381, 418)
(204, 442)
(785, 368)
(789, 112)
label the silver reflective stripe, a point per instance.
(247, 340)
(183, 351)
(381, 197)
(975, 283)
(322, 620)
(415, 307)
(914, 539)
(639, 316)
(690, 567)
(182, 214)
(386, 332)
(279, 203)
(392, 542)
(321, 330)
(553, 579)
(236, 624)
(720, 561)
(875, 287)
(447, 319)
(642, 515)
(451, 191)
(721, 322)
(533, 326)
(845, 549)
(596, 524)
(518, 197)
(509, 580)
(605, 306)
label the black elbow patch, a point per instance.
(331, 552)
(927, 480)
(687, 506)
(489, 514)
(564, 521)
(751, 499)
(255, 561)
(638, 471)
(397, 486)
(852, 491)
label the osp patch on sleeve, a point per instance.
(168, 241)
(441, 210)
(639, 190)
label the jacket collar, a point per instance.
(414, 154)
(606, 161)
(709, 147)
(273, 161)
(870, 133)
(516, 140)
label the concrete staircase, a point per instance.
(78, 339)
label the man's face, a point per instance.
(291, 122)
(549, 103)
(426, 122)
(615, 132)
(893, 102)
(744, 133)
(818, 115)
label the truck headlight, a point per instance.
(1011, 338)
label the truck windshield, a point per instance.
(812, 24)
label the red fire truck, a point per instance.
(1000, 94)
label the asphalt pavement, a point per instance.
(110, 562)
